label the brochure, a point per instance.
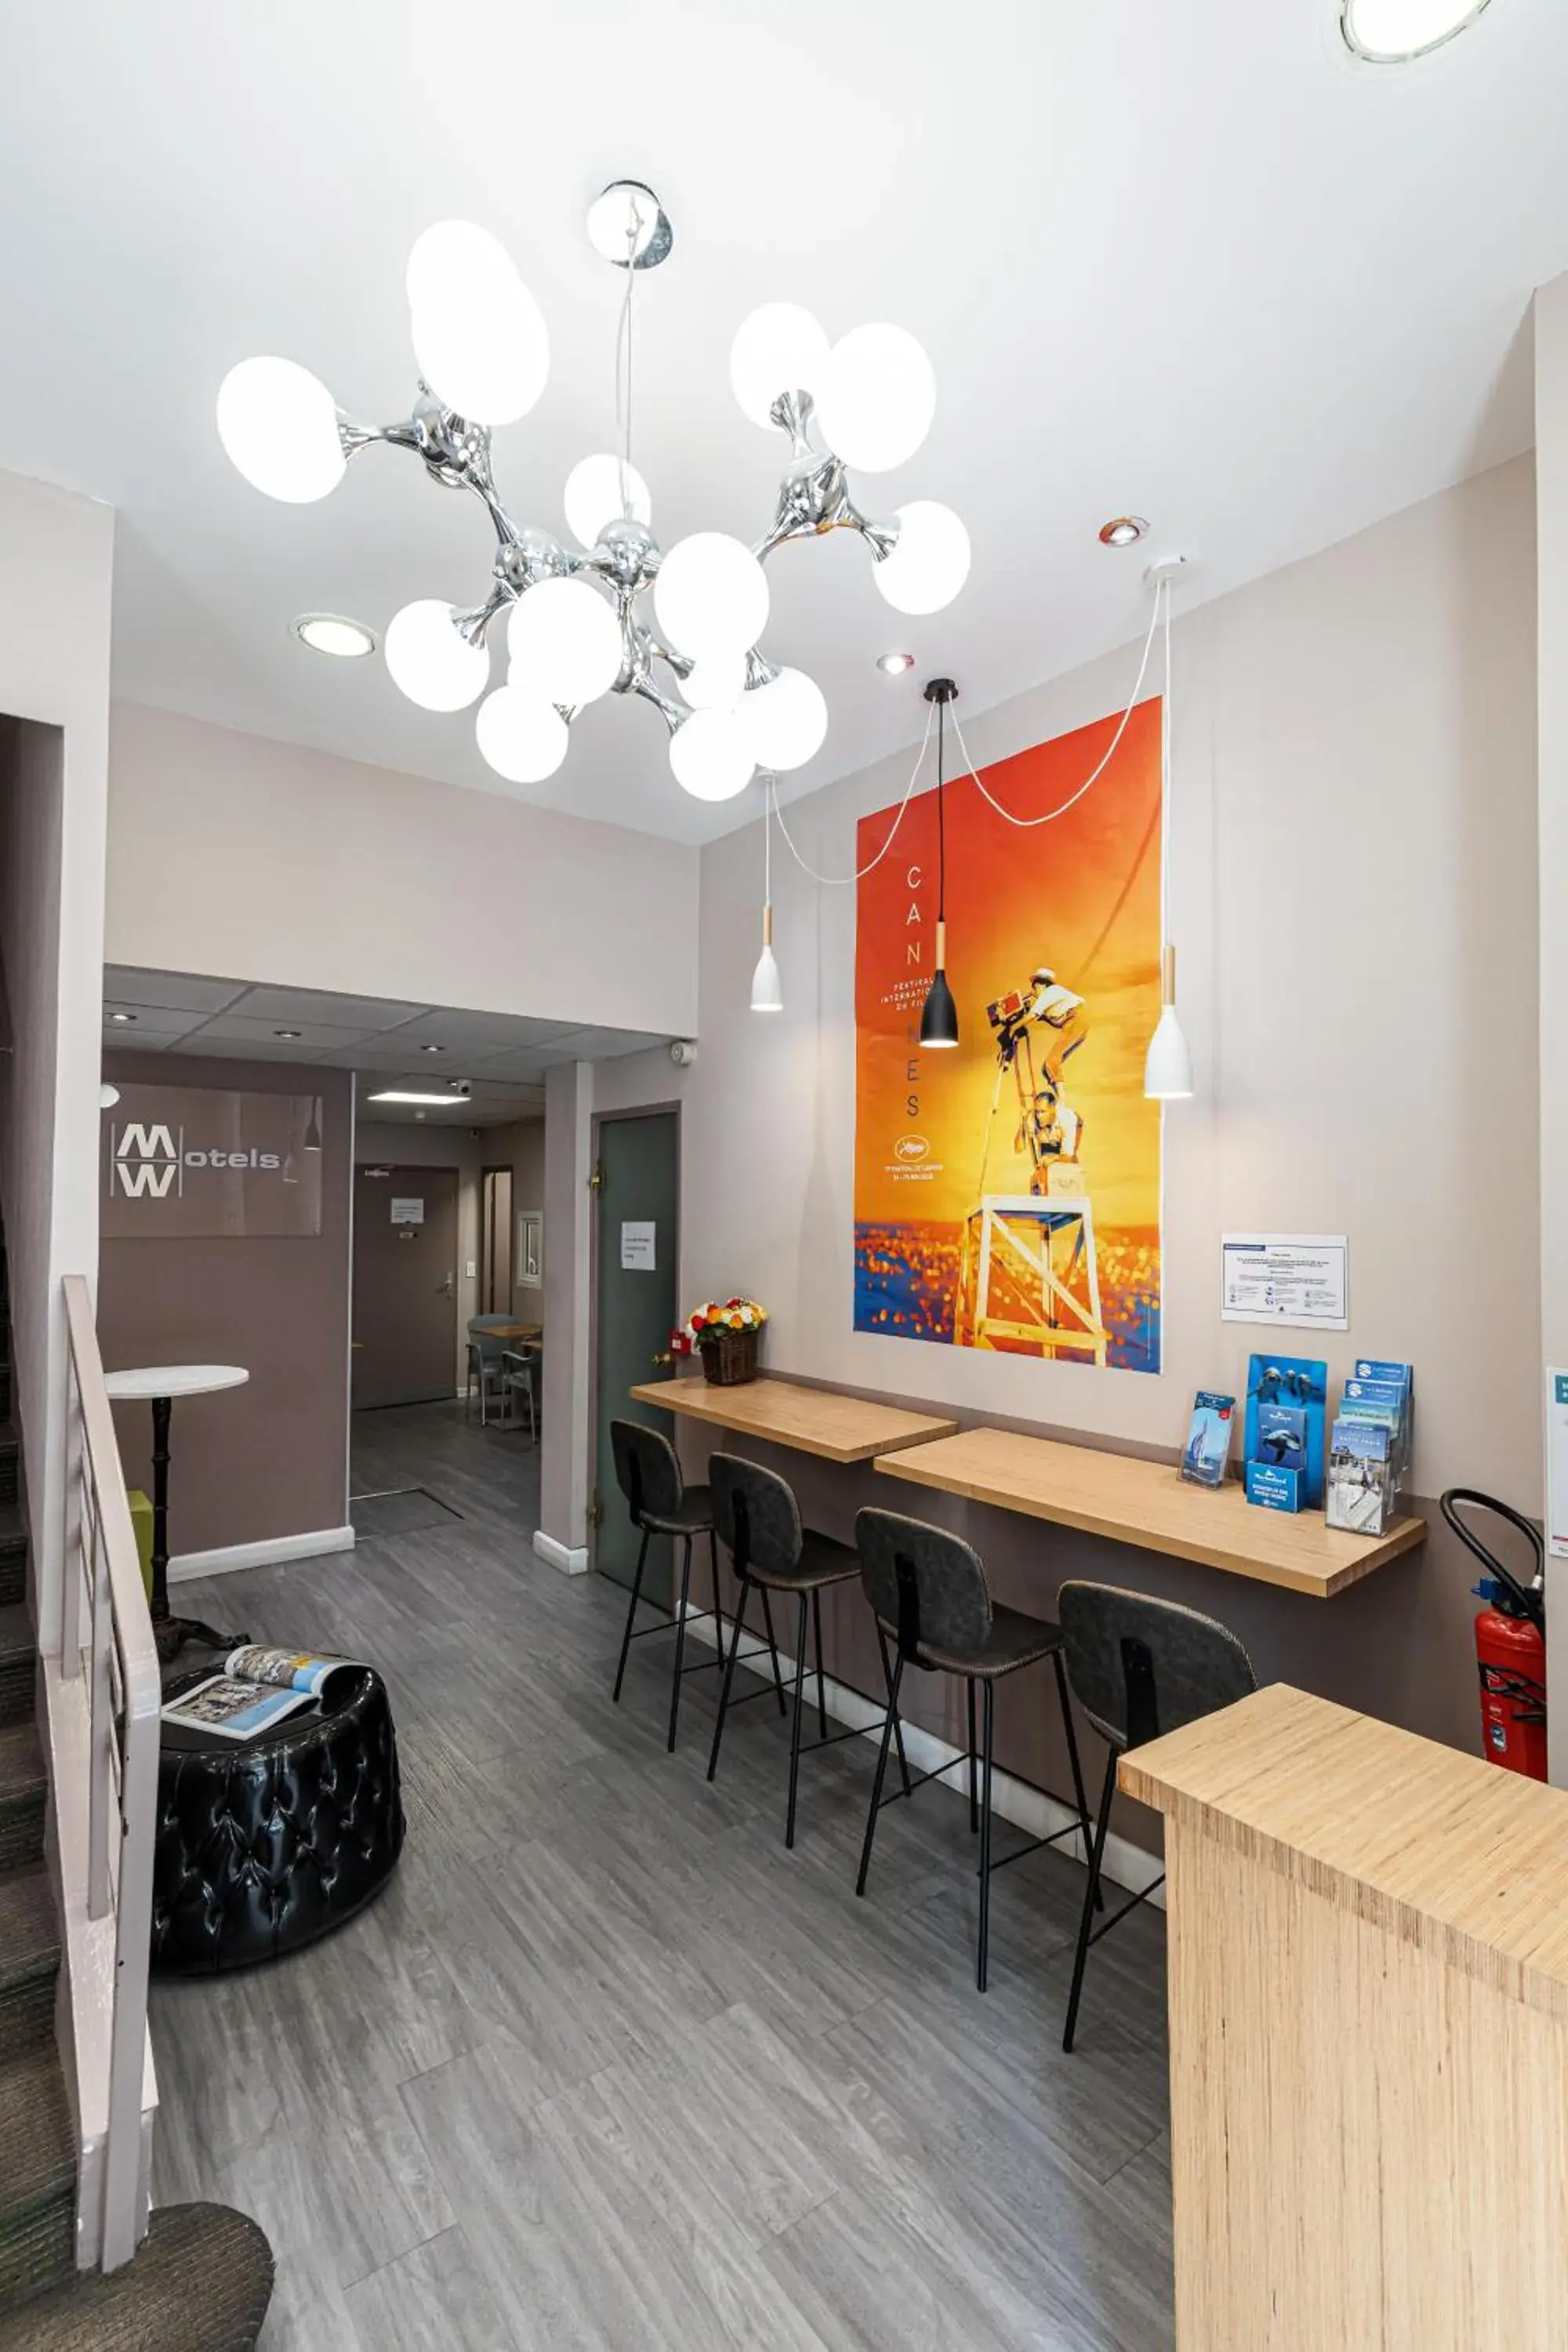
(1277, 1489)
(1362, 1478)
(231, 1709)
(1208, 1439)
(257, 1689)
(1282, 1436)
(1298, 1384)
(1400, 1378)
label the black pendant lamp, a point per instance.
(939, 1016)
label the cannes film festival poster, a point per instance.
(1007, 1191)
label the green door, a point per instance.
(635, 1265)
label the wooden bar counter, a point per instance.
(1369, 2036)
(824, 1421)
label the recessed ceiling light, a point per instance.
(404, 1095)
(1392, 32)
(329, 633)
(1123, 531)
(284, 1032)
(121, 1018)
(893, 665)
(432, 1049)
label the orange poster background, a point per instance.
(1081, 895)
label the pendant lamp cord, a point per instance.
(848, 881)
(1166, 792)
(942, 812)
(770, 801)
(1024, 824)
(624, 360)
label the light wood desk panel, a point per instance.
(1150, 1505)
(814, 1421)
(1368, 1940)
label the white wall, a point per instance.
(232, 855)
(55, 551)
(1551, 470)
(1353, 896)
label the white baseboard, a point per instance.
(571, 1560)
(1018, 1801)
(229, 1557)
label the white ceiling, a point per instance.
(1188, 259)
(502, 1057)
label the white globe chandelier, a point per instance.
(577, 619)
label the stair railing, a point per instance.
(108, 1631)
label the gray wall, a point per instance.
(1353, 870)
(269, 1459)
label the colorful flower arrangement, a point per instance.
(707, 1325)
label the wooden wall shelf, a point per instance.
(813, 1421)
(1151, 1506)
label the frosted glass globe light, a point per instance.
(710, 756)
(781, 348)
(929, 563)
(876, 398)
(521, 735)
(279, 425)
(1392, 32)
(434, 665)
(717, 683)
(599, 490)
(786, 720)
(712, 596)
(565, 642)
(479, 337)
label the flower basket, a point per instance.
(728, 1356)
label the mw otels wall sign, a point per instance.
(188, 1163)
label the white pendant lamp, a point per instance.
(1168, 1065)
(767, 989)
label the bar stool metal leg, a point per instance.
(718, 1612)
(1076, 1770)
(795, 1727)
(1080, 1956)
(679, 1644)
(898, 1726)
(631, 1613)
(974, 1799)
(773, 1647)
(728, 1674)
(898, 1675)
(821, 1700)
(988, 1734)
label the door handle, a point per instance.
(446, 1286)
(662, 1363)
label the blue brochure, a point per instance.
(1208, 1439)
(1276, 1489)
(1294, 1384)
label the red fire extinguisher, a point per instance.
(1511, 1642)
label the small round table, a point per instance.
(161, 1385)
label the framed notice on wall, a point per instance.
(190, 1162)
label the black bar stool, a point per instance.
(759, 1524)
(647, 1471)
(927, 1592)
(1139, 1667)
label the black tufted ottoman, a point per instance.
(264, 1844)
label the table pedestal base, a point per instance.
(172, 1634)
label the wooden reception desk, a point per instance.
(1369, 2036)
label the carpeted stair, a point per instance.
(203, 2276)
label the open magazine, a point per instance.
(257, 1689)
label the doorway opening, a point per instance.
(495, 1241)
(404, 1284)
(635, 1257)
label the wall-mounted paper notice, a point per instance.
(407, 1212)
(1293, 1278)
(1557, 1462)
(639, 1248)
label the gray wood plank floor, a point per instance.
(604, 2067)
